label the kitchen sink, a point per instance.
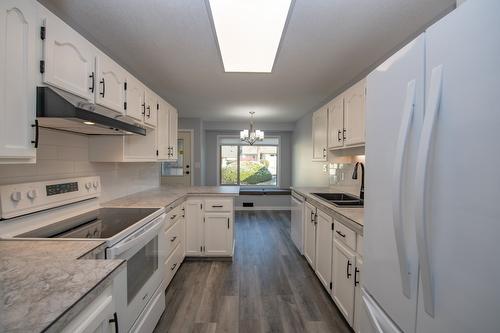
(341, 199)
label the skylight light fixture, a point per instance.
(249, 32)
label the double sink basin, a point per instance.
(341, 199)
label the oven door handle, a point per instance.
(140, 238)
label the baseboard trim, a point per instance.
(263, 208)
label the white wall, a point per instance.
(64, 155)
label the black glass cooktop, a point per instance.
(100, 223)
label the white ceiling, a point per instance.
(170, 45)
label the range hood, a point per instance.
(59, 110)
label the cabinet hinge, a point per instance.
(332, 225)
(124, 105)
(331, 286)
(228, 222)
(201, 248)
(157, 106)
(201, 206)
(124, 85)
(42, 66)
(203, 219)
(42, 33)
(157, 153)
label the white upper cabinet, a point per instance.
(134, 97)
(354, 114)
(110, 78)
(151, 107)
(324, 246)
(320, 134)
(68, 58)
(336, 122)
(162, 131)
(17, 81)
(173, 119)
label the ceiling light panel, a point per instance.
(249, 32)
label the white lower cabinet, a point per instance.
(310, 234)
(359, 310)
(344, 263)
(100, 316)
(324, 248)
(209, 233)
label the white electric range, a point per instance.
(69, 209)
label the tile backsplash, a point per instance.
(65, 155)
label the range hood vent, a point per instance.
(59, 110)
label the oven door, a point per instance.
(144, 251)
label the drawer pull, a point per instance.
(173, 216)
(340, 233)
(217, 206)
(173, 238)
(173, 266)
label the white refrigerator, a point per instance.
(432, 208)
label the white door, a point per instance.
(457, 215)
(297, 222)
(162, 131)
(152, 106)
(218, 231)
(310, 234)
(17, 80)
(336, 122)
(110, 80)
(324, 247)
(194, 227)
(179, 172)
(173, 123)
(320, 134)
(354, 114)
(344, 262)
(393, 128)
(69, 59)
(135, 99)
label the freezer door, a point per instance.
(457, 179)
(394, 117)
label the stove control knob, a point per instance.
(15, 196)
(88, 185)
(95, 184)
(32, 194)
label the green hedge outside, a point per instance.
(251, 173)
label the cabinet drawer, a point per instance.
(172, 264)
(173, 215)
(173, 236)
(218, 205)
(345, 235)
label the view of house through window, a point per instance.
(255, 165)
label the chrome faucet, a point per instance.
(355, 176)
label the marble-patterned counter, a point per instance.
(351, 217)
(164, 195)
(43, 284)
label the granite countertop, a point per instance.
(44, 285)
(355, 215)
(165, 195)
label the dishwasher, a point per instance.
(297, 223)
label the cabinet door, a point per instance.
(359, 310)
(319, 134)
(336, 123)
(310, 234)
(354, 114)
(343, 270)
(218, 234)
(172, 121)
(135, 99)
(111, 79)
(151, 101)
(17, 80)
(324, 248)
(194, 227)
(69, 59)
(162, 129)
(139, 147)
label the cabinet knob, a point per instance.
(15, 196)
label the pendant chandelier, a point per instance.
(251, 135)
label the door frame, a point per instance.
(191, 170)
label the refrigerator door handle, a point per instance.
(397, 218)
(424, 148)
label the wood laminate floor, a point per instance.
(268, 287)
